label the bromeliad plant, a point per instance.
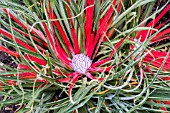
(81, 56)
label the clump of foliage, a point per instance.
(85, 56)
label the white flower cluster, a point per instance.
(80, 63)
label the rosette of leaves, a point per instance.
(81, 56)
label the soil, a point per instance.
(8, 61)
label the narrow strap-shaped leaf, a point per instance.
(52, 16)
(154, 57)
(27, 75)
(146, 33)
(11, 82)
(15, 19)
(167, 78)
(50, 38)
(101, 39)
(163, 108)
(72, 74)
(75, 41)
(35, 59)
(22, 75)
(74, 80)
(111, 54)
(156, 38)
(64, 80)
(5, 33)
(161, 25)
(154, 21)
(90, 76)
(77, 11)
(88, 24)
(56, 72)
(103, 23)
(8, 51)
(167, 102)
(62, 54)
(119, 6)
(101, 69)
(157, 63)
(74, 35)
(90, 48)
(23, 67)
(159, 60)
(59, 48)
(162, 33)
(33, 30)
(157, 54)
(34, 38)
(30, 58)
(63, 35)
(53, 45)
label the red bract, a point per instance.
(48, 39)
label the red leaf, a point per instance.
(158, 39)
(90, 76)
(64, 80)
(34, 38)
(101, 39)
(102, 27)
(14, 18)
(63, 53)
(163, 108)
(167, 102)
(111, 55)
(11, 82)
(75, 41)
(63, 35)
(17, 40)
(119, 6)
(157, 63)
(156, 54)
(152, 23)
(89, 23)
(166, 78)
(6, 50)
(72, 74)
(54, 47)
(27, 75)
(156, 20)
(51, 39)
(161, 34)
(23, 67)
(56, 72)
(1, 86)
(33, 30)
(28, 57)
(89, 50)
(74, 36)
(35, 59)
(74, 80)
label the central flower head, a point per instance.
(80, 63)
